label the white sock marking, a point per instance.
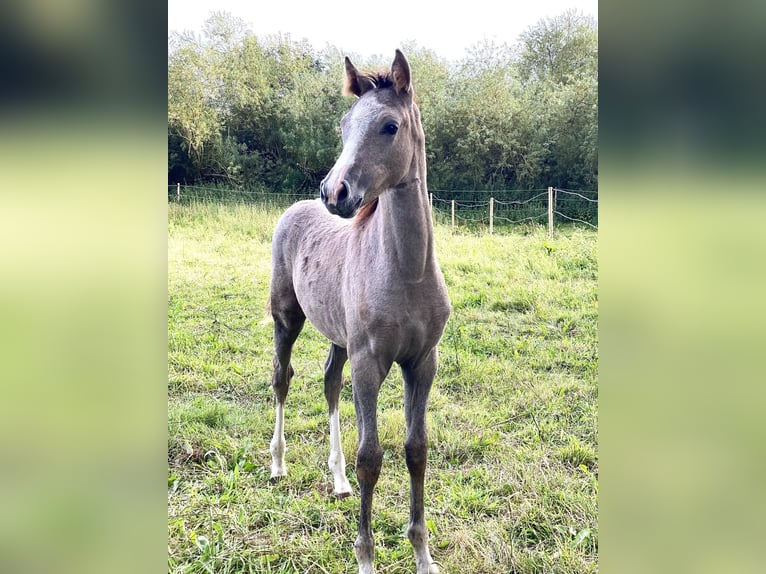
(277, 446)
(337, 462)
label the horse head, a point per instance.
(381, 135)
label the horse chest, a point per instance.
(408, 318)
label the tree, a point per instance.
(562, 49)
(558, 65)
(264, 112)
(190, 114)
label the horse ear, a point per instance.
(356, 84)
(400, 72)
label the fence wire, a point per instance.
(471, 207)
(576, 194)
(575, 219)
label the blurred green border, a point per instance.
(682, 251)
(83, 290)
(83, 287)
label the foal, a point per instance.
(369, 281)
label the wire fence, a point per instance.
(465, 208)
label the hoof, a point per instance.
(341, 487)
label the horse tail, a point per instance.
(267, 317)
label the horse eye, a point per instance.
(390, 128)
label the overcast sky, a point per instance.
(369, 28)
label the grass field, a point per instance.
(512, 480)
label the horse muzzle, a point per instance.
(338, 199)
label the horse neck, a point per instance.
(404, 225)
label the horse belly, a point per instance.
(317, 296)
(314, 253)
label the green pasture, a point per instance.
(512, 480)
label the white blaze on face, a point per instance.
(355, 126)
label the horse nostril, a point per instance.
(322, 194)
(342, 192)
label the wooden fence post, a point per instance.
(178, 192)
(550, 212)
(453, 216)
(491, 214)
(431, 203)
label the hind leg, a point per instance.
(288, 322)
(333, 383)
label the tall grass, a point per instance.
(513, 460)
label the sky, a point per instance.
(369, 28)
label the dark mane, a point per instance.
(380, 79)
(371, 80)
